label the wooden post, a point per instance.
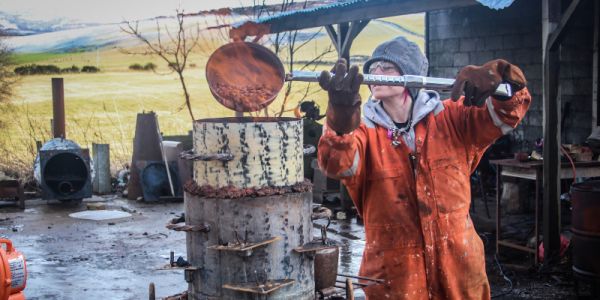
(596, 72)
(349, 289)
(551, 208)
(58, 108)
(101, 153)
(552, 104)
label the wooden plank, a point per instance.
(558, 34)
(368, 10)
(506, 243)
(551, 205)
(595, 72)
(334, 37)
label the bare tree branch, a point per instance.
(175, 53)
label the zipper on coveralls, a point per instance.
(413, 163)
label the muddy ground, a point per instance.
(116, 259)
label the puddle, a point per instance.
(100, 215)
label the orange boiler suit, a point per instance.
(414, 198)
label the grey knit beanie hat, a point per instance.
(405, 54)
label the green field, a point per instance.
(102, 107)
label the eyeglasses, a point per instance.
(386, 67)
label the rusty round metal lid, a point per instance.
(244, 77)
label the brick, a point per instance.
(450, 45)
(531, 40)
(447, 72)
(533, 132)
(481, 57)
(479, 44)
(512, 41)
(523, 56)
(531, 71)
(493, 43)
(461, 59)
(567, 87)
(504, 54)
(445, 59)
(467, 44)
(535, 117)
(435, 46)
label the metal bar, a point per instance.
(58, 108)
(516, 246)
(410, 81)
(355, 283)
(498, 224)
(362, 278)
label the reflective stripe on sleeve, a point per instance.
(352, 170)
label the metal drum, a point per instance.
(585, 198)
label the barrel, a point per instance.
(585, 199)
(249, 208)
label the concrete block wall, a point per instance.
(576, 76)
(477, 34)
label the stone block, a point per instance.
(531, 40)
(504, 54)
(481, 57)
(461, 59)
(493, 43)
(467, 44)
(445, 59)
(450, 45)
(531, 72)
(512, 41)
(522, 56)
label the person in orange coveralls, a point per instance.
(407, 168)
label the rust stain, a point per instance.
(247, 29)
(231, 192)
(244, 76)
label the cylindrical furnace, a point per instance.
(247, 209)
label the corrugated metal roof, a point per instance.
(496, 4)
(311, 10)
(352, 5)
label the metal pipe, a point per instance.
(409, 81)
(58, 108)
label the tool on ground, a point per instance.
(13, 272)
(247, 77)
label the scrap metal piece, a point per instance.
(261, 288)
(239, 246)
(191, 155)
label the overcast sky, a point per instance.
(105, 11)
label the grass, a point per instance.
(102, 107)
